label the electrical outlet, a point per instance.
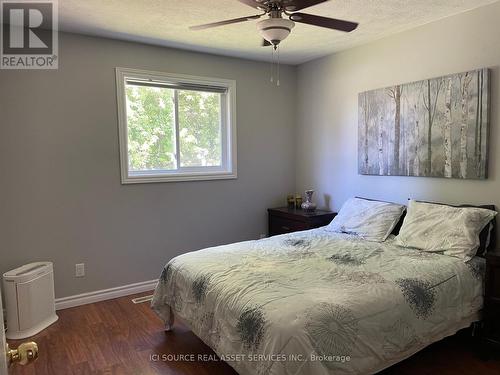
(80, 270)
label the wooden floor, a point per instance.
(118, 337)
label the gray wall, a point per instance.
(61, 198)
(60, 192)
(328, 116)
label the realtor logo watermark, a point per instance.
(29, 37)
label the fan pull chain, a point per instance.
(278, 68)
(272, 65)
(275, 60)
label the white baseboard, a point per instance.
(105, 294)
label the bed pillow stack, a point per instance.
(368, 219)
(451, 230)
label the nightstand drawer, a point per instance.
(492, 321)
(278, 225)
(493, 282)
(285, 220)
(491, 311)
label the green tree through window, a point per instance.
(151, 128)
(199, 128)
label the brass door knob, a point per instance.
(25, 353)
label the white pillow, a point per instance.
(440, 228)
(371, 220)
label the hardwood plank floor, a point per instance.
(118, 337)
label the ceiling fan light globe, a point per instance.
(274, 30)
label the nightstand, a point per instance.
(285, 220)
(491, 324)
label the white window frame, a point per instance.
(228, 129)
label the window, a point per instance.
(175, 127)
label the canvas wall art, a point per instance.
(434, 128)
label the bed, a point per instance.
(317, 302)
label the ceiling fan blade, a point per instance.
(294, 5)
(226, 22)
(330, 23)
(265, 43)
(254, 4)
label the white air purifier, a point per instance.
(29, 299)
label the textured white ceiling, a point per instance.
(166, 22)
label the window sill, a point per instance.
(178, 177)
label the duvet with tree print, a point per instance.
(317, 302)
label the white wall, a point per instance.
(60, 193)
(328, 116)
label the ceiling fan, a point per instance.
(275, 28)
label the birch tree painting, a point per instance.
(433, 128)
